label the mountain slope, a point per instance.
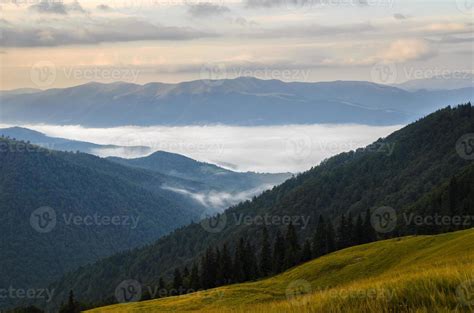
(240, 101)
(395, 171)
(229, 187)
(209, 185)
(62, 144)
(455, 81)
(61, 210)
(425, 273)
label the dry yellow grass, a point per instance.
(414, 274)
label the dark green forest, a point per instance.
(421, 170)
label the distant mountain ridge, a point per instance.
(62, 144)
(213, 187)
(177, 165)
(240, 101)
(449, 81)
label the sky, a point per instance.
(51, 44)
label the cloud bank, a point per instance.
(291, 148)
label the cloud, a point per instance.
(92, 32)
(303, 3)
(104, 7)
(314, 30)
(219, 200)
(399, 16)
(408, 49)
(55, 7)
(206, 9)
(259, 148)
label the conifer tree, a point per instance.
(278, 253)
(194, 281)
(369, 231)
(177, 282)
(265, 255)
(292, 247)
(306, 255)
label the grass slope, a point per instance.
(410, 274)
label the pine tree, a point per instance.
(161, 288)
(278, 253)
(306, 255)
(224, 275)
(330, 238)
(292, 250)
(265, 255)
(250, 262)
(320, 238)
(71, 306)
(194, 281)
(239, 260)
(369, 231)
(177, 282)
(359, 230)
(341, 233)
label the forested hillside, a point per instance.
(177, 165)
(61, 210)
(393, 172)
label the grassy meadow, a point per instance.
(412, 274)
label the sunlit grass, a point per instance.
(412, 274)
